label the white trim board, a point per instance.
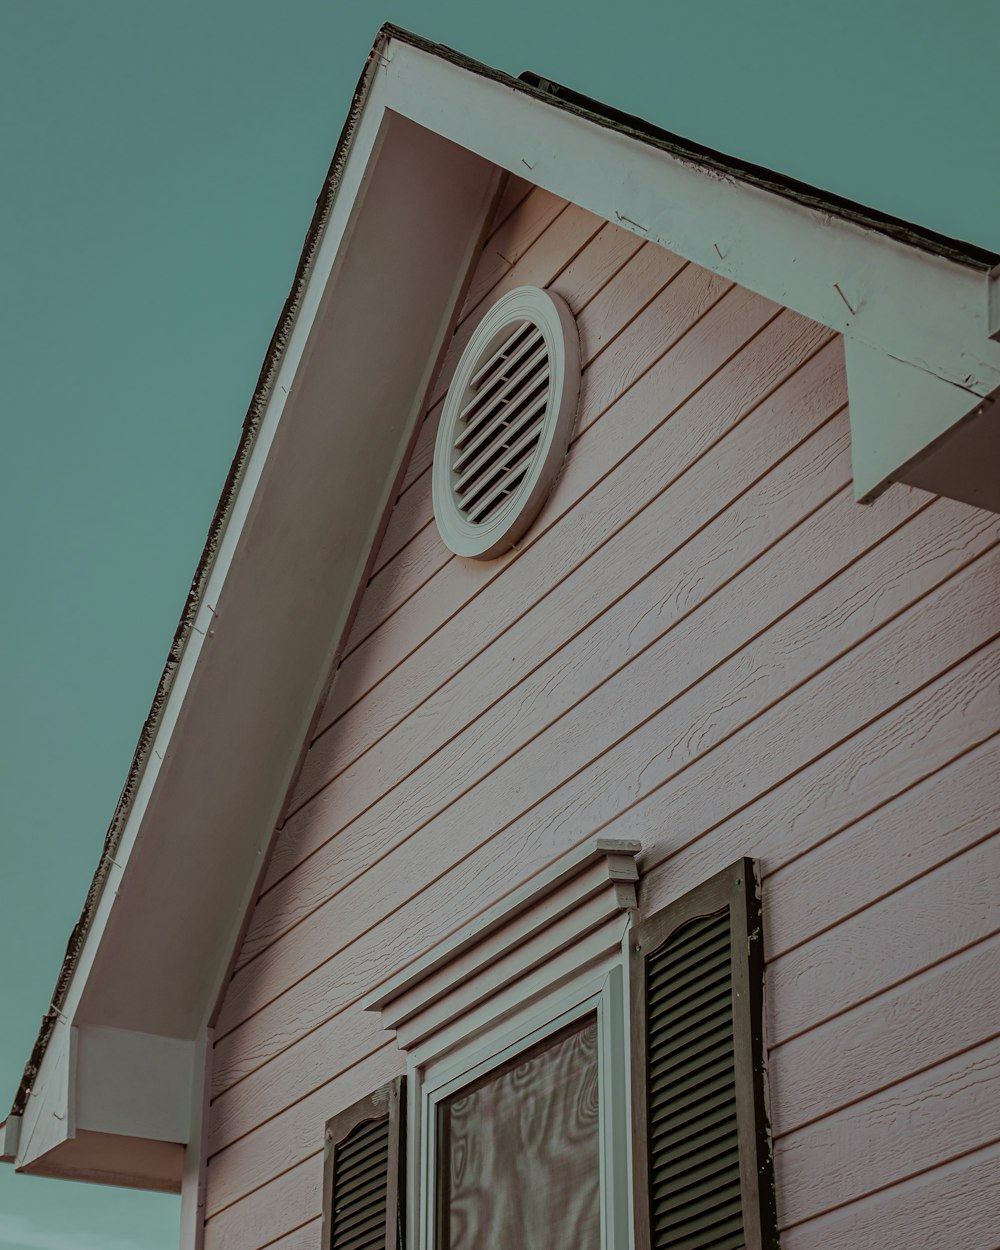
(319, 476)
(917, 326)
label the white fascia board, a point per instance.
(330, 445)
(134, 1084)
(52, 1082)
(925, 317)
(47, 1120)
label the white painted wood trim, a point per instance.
(192, 1218)
(366, 141)
(214, 634)
(589, 869)
(921, 353)
(552, 951)
(929, 314)
(602, 992)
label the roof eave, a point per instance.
(913, 310)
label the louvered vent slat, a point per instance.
(509, 420)
(693, 1142)
(360, 1187)
(506, 422)
(502, 354)
(506, 454)
(501, 388)
(499, 427)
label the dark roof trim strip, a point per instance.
(908, 233)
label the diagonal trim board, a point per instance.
(896, 303)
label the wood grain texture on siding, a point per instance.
(394, 581)
(663, 324)
(597, 301)
(915, 1025)
(581, 279)
(947, 812)
(703, 643)
(286, 1203)
(508, 243)
(619, 428)
(933, 1117)
(639, 746)
(911, 738)
(952, 1207)
(635, 567)
(669, 451)
(916, 927)
(775, 502)
(280, 1144)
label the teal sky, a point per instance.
(160, 162)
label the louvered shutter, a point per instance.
(701, 1160)
(363, 1173)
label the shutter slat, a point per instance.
(695, 1196)
(363, 1163)
(709, 954)
(713, 988)
(690, 939)
(360, 1187)
(686, 1061)
(704, 1090)
(706, 1234)
(704, 1025)
(702, 1118)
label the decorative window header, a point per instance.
(564, 917)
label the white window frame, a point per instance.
(548, 953)
(603, 993)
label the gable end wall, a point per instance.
(702, 643)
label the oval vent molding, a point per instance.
(506, 422)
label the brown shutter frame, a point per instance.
(738, 889)
(386, 1103)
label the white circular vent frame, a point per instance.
(506, 422)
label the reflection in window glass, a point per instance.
(519, 1154)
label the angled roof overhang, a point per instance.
(112, 1090)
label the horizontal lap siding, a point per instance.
(702, 642)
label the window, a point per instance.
(580, 1077)
(519, 1151)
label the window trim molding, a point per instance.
(602, 992)
(521, 970)
(738, 888)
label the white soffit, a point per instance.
(916, 325)
(315, 476)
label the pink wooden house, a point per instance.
(568, 816)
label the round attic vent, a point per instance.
(506, 422)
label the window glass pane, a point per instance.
(519, 1152)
